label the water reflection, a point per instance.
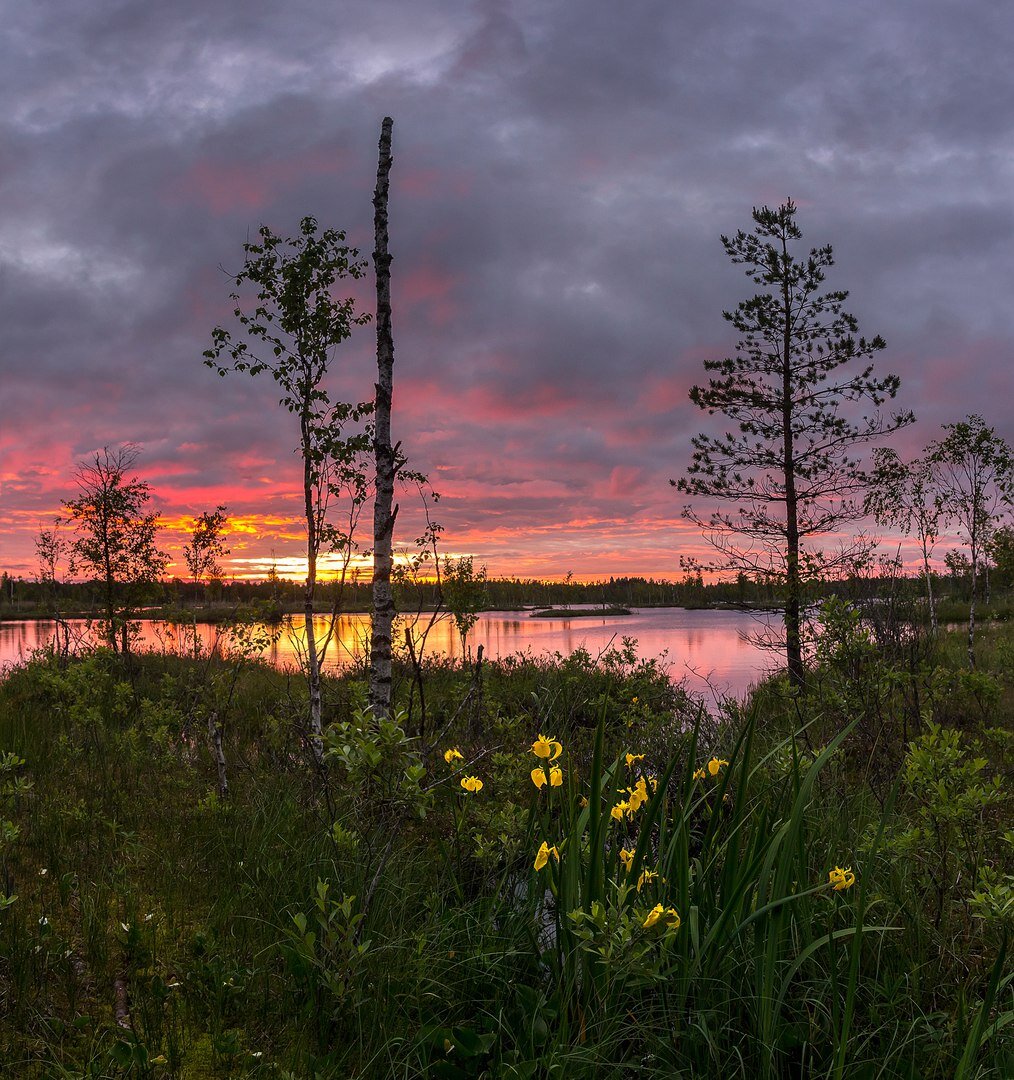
(704, 646)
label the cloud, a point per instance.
(562, 174)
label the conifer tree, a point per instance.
(788, 468)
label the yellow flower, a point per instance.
(619, 810)
(633, 700)
(632, 758)
(547, 748)
(583, 801)
(646, 878)
(544, 853)
(715, 764)
(653, 916)
(450, 756)
(699, 774)
(555, 777)
(638, 796)
(627, 858)
(672, 918)
(471, 784)
(653, 780)
(840, 879)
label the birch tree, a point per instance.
(973, 471)
(787, 468)
(904, 495)
(115, 537)
(294, 326)
(206, 546)
(385, 453)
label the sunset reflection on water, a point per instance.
(704, 646)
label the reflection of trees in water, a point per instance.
(719, 642)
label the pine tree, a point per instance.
(788, 466)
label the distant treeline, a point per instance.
(20, 597)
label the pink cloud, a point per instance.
(428, 289)
(222, 186)
(421, 182)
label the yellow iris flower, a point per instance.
(658, 913)
(699, 774)
(653, 916)
(619, 810)
(555, 777)
(715, 764)
(638, 795)
(840, 879)
(471, 784)
(627, 858)
(646, 878)
(450, 756)
(631, 759)
(544, 854)
(544, 747)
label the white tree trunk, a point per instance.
(384, 511)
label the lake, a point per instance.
(703, 646)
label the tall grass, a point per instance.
(350, 925)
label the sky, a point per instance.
(562, 174)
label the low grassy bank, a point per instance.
(640, 892)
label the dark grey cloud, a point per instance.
(562, 174)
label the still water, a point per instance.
(713, 650)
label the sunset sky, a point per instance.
(562, 174)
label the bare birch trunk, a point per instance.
(312, 544)
(215, 734)
(971, 609)
(384, 511)
(929, 591)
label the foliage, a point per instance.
(945, 844)
(376, 763)
(12, 787)
(116, 536)
(206, 546)
(974, 473)
(295, 324)
(747, 911)
(464, 592)
(788, 467)
(905, 495)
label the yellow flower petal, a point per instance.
(471, 784)
(646, 878)
(653, 916)
(544, 853)
(715, 764)
(544, 747)
(453, 755)
(841, 878)
(539, 777)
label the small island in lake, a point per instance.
(578, 613)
